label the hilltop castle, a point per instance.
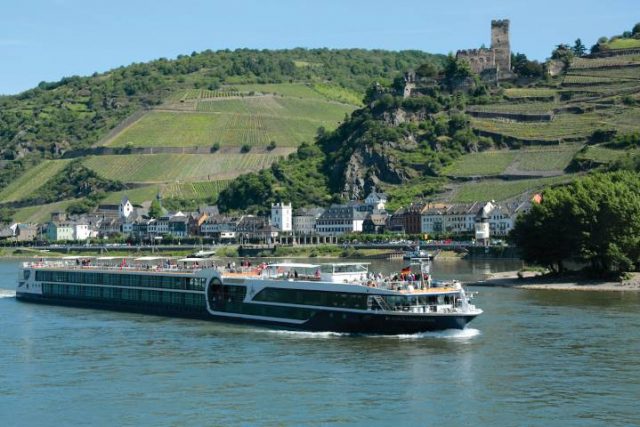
(497, 59)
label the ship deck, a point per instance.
(403, 287)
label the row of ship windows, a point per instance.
(116, 294)
(134, 280)
(317, 298)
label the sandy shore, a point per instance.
(531, 280)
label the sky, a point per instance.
(45, 40)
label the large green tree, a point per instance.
(595, 220)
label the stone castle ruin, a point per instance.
(494, 62)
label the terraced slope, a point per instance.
(32, 180)
(41, 213)
(589, 99)
(188, 190)
(202, 119)
(502, 190)
(538, 161)
(556, 123)
(170, 168)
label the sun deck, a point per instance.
(340, 273)
(119, 264)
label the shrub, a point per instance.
(245, 148)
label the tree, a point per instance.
(579, 49)
(155, 210)
(456, 71)
(636, 29)
(563, 53)
(595, 220)
(426, 70)
(525, 68)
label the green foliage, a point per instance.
(629, 140)
(80, 207)
(563, 53)
(594, 220)
(155, 210)
(579, 49)
(338, 93)
(298, 179)
(422, 103)
(427, 70)
(6, 215)
(245, 148)
(525, 68)
(456, 71)
(246, 191)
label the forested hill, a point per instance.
(76, 111)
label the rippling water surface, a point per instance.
(538, 358)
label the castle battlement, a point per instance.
(497, 58)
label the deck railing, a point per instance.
(108, 267)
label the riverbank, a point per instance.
(537, 281)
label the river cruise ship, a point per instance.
(338, 297)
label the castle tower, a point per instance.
(501, 46)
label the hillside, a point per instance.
(247, 128)
(459, 146)
(243, 109)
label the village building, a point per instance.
(220, 227)
(375, 222)
(341, 219)
(109, 227)
(19, 232)
(179, 225)
(304, 220)
(408, 219)
(376, 200)
(432, 218)
(125, 208)
(463, 218)
(60, 231)
(255, 229)
(68, 230)
(281, 217)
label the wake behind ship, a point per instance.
(337, 297)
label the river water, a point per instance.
(535, 358)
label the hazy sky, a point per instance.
(44, 40)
